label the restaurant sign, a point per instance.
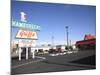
(25, 34)
(25, 25)
(27, 43)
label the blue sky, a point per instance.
(54, 17)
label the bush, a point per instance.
(69, 47)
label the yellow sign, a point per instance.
(25, 34)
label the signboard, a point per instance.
(27, 43)
(27, 31)
(25, 25)
(25, 34)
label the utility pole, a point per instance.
(52, 41)
(70, 42)
(67, 35)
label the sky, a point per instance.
(53, 18)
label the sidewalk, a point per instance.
(16, 63)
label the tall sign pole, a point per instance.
(26, 53)
(19, 53)
(27, 31)
(67, 35)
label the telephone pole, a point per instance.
(67, 35)
(52, 41)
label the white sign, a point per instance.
(27, 43)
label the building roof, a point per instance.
(83, 42)
(89, 36)
(88, 39)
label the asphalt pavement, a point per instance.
(67, 62)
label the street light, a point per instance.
(67, 35)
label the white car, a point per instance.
(69, 52)
(53, 54)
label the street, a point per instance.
(83, 60)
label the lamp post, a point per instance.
(67, 35)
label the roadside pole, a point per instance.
(19, 54)
(26, 53)
(33, 56)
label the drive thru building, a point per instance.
(89, 42)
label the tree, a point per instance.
(66, 47)
(70, 47)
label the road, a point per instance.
(55, 63)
